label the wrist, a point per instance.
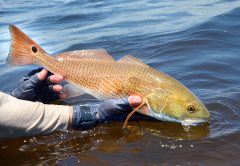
(82, 118)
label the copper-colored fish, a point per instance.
(95, 72)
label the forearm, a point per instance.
(22, 118)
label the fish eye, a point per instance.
(191, 108)
(34, 49)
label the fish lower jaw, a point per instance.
(185, 122)
(192, 122)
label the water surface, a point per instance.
(196, 42)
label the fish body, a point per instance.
(95, 72)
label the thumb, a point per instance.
(42, 75)
(127, 102)
(134, 101)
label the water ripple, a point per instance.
(196, 42)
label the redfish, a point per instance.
(95, 72)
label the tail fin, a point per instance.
(23, 50)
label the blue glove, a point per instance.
(88, 116)
(31, 88)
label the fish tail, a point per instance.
(23, 50)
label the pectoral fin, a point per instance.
(72, 90)
(156, 101)
(144, 110)
(131, 113)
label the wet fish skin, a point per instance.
(97, 73)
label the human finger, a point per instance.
(55, 79)
(42, 74)
(62, 96)
(134, 101)
(56, 88)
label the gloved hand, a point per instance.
(40, 85)
(88, 116)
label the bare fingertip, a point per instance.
(59, 77)
(56, 78)
(63, 96)
(45, 70)
(57, 88)
(42, 74)
(135, 100)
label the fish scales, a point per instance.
(106, 78)
(97, 73)
(109, 79)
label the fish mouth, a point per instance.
(184, 122)
(193, 122)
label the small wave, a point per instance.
(225, 117)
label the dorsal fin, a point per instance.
(97, 54)
(133, 60)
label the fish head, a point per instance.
(177, 106)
